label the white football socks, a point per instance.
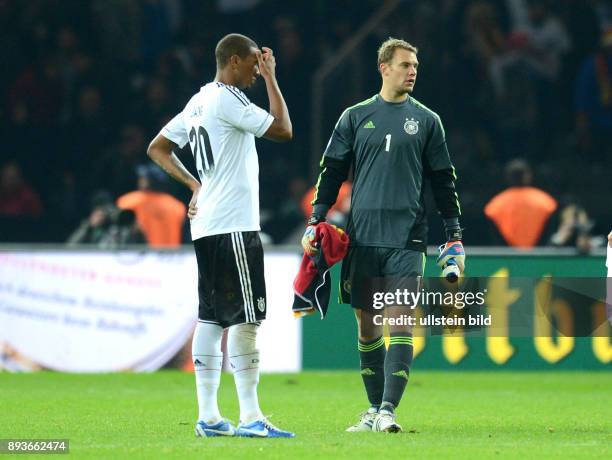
(244, 359)
(207, 363)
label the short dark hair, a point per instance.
(233, 44)
(518, 173)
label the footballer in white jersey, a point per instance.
(220, 124)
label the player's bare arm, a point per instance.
(281, 129)
(160, 151)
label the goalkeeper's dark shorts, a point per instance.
(366, 270)
(231, 283)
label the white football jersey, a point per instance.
(220, 124)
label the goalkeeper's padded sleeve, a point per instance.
(333, 173)
(443, 188)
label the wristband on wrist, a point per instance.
(318, 214)
(452, 229)
(314, 219)
(454, 235)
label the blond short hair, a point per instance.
(388, 47)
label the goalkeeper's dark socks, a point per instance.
(397, 367)
(372, 359)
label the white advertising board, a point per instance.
(104, 312)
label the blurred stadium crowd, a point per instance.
(87, 83)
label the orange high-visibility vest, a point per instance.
(520, 214)
(159, 215)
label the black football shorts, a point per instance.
(231, 284)
(367, 270)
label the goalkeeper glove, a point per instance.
(308, 241)
(451, 255)
(311, 247)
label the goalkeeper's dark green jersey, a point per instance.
(393, 148)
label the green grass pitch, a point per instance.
(444, 415)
